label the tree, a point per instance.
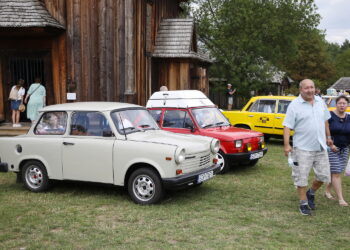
(246, 37)
(313, 60)
(343, 64)
(345, 45)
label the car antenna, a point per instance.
(123, 126)
(165, 98)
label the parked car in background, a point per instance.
(191, 112)
(262, 113)
(107, 142)
(330, 101)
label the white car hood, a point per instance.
(191, 143)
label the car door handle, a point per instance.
(250, 115)
(68, 143)
(277, 117)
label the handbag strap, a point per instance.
(35, 90)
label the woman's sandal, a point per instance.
(329, 196)
(343, 203)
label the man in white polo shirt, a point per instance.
(308, 116)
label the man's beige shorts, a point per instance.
(318, 160)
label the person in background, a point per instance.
(339, 126)
(229, 94)
(318, 92)
(310, 140)
(163, 88)
(16, 97)
(37, 99)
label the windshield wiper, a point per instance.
(144, 125)
(209, 125)
(221, 124)
(133, 128)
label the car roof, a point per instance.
(179, 99)
(274, 97)
(89, 106)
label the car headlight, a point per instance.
(215, 146)
(238, 143)
(261, 139)
(180, 155)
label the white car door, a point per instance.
(87, 152)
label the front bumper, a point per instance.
(189, 179)
(244, 157)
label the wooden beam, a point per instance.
(2, 99)
(129, 50)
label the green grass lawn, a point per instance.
(254, 207)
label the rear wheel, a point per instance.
(223, 162)
(34, 176)
(145, 186)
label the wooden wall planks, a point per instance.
(95, 53)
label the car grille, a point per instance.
(196, 161)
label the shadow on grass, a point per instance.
(275, 141)
(78, 188)
(90, 188)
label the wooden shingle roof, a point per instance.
(342, 84)
(175, 38)
(26, 13)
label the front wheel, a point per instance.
(223, 162)
(35, 177)
(145, 186)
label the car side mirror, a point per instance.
(107, 133)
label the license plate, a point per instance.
(205, 176)
(256, 155)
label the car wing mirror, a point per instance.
(107, 133)
(192, 128)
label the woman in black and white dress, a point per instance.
(339, 125)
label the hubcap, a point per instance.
(143, 187)
(34, 177)
(221, 161)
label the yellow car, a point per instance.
(262, 113)
(330, 101)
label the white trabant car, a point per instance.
(108, 142)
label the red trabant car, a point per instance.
(191, 112)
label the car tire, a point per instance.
(223, 162)
(145, 186)
(34, 176)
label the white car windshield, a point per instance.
(133, 120)
(209, 117)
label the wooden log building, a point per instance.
(102, 50)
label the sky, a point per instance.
(335, 19)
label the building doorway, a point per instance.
(25, 66)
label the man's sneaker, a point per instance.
(311, 200)
(305, 210)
